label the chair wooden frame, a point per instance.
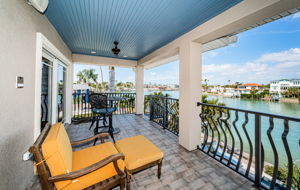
(129, 173)
(47, 181)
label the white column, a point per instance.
(112, 78)
(190, 71)
(139, 88)
(69, 92)
(54, 93)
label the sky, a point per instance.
(265, 53)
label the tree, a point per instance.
(292, 92)
(237, 84)
(119, 87)
(97, 86)
(214, 101)
(129, 85)
(161, 94)
(283, 174)
(111, 78)
(205, 85)
(87, 76)
(105, 86)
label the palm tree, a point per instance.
(105, 86)
(101, 74)
(160, 94)
(237, 84)
(129, 85)
(205, 86)
(87, 76)
(292, 92)
(97, 86)
(119, 87)
(206, 81)
(111, 78)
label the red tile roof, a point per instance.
(251, 84)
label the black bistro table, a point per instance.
(113, 102)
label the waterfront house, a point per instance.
(243, 91)
(251, 86)
(216, 89)
(40, 44)
(280, 86)
(230, 92)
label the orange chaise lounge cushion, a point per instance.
(58, 153)
(138, 151)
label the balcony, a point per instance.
(233, 151)
(181, 169)
(39, 51)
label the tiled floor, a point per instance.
(181, 169)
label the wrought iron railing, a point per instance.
(82, 109)
(44, 110)
(60, 107)
(247, 141)
(164, 111)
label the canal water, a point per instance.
(287, 109)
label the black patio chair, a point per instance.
(101, 110)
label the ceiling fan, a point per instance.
(116, 50)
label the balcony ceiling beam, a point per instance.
(105, 61)
(222, 42)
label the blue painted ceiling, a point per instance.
(140, 26)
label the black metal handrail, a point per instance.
(44, 110)
(253, 112)
(164, 111)
(228, 132)
(82, 109)
(60, 107)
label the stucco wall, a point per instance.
(18, 26)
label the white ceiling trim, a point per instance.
(219, 43)
(105, 61)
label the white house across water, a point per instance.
(279, 86)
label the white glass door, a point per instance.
(61, 91)
(46, 89)
(53, 89)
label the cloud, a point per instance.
(216, 68)
(233, 45)
(212, 53)
(164, 77)
(292, 54)
(288, 64)
(164, 74)
(130, 78)
(296, 15)
(277, 32)
(276, 65)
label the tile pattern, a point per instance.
(182, 170)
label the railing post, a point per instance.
(166, 114)
(151, 108)
(258, 153)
